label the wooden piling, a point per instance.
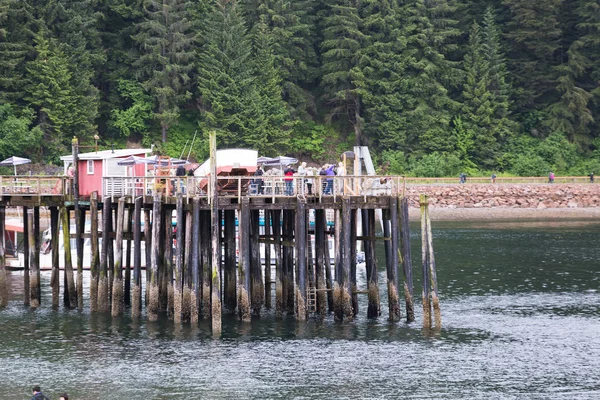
(167, 275)
(267, 272)
(179, 257)
(425, 264)
(148, 250)
(289, 290)
(342, 288)
(68, 270)
(186, 305)
(3, 276)
(320, 244)
(34, 268)
(162, 279)
(374, 309)
(276, 226)
(102, 301)
(256, 282)
(327, 265)
(195, 291)
(26, 263)
(230, 279)
(55, 277)
(154, 300)
(216, 245)
(117, 287)
(406, 258)
(244, 261)
(136, 300)
(95, 256)
(353, 249)
(205, 251)
(111, 249)
(392, 267)
(300, 234)
(79, 241)
(437, 317)
(127, 278)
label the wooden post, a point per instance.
(300, 246)
(179, 257)
(136, 303)
(95, 259)
(288, 266)
(154, 300)
(117, 287)
(79, 241)
(437, 316)
(256, 282)
(167, 275)
(79, 226)
(353, 285)
(374, 309)
(195, 263)
(205, 264)
(26, 263)
(216, 246)
(34, 269)
(320, 243)
(244, 262)
(3, 277)
(103, 303)
(162, 280)
(392, 267)
(230, 279)
(55, 278)
(327, 264)
(148, 250)
(342, 288)
(111, 248)
(425, 263)
(406, 259)
(267, 273)
(70, 286)
(127, 279)
(186, 306)
(276, 217)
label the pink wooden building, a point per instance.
(94, 166)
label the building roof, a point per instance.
(107, 154)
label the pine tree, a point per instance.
(225, 75)
(379, 74)
(166, 41)
(291, 25)
(49, 90)
(427, 105)
(533, 34)
(342, 43)
(14, 46)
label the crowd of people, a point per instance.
(309, 175)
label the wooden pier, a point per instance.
(209, 261)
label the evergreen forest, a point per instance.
(433, 87)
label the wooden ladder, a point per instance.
(311, 299)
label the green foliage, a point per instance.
(16, 136)
(135, 118)
(436, 165)
(309, 139)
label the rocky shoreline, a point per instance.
(507, 201)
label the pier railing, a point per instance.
(37, 185)
(263, 186)
(259, 186)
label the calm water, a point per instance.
(520, 308)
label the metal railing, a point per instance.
(35, 185)
(263, 186)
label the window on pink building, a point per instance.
(90, 167)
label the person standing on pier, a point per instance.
(289, 180)
(551, 177)
(591, 177)
(330, 173)
(37, 394)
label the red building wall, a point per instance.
(89, 183)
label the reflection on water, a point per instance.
(519, 306)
